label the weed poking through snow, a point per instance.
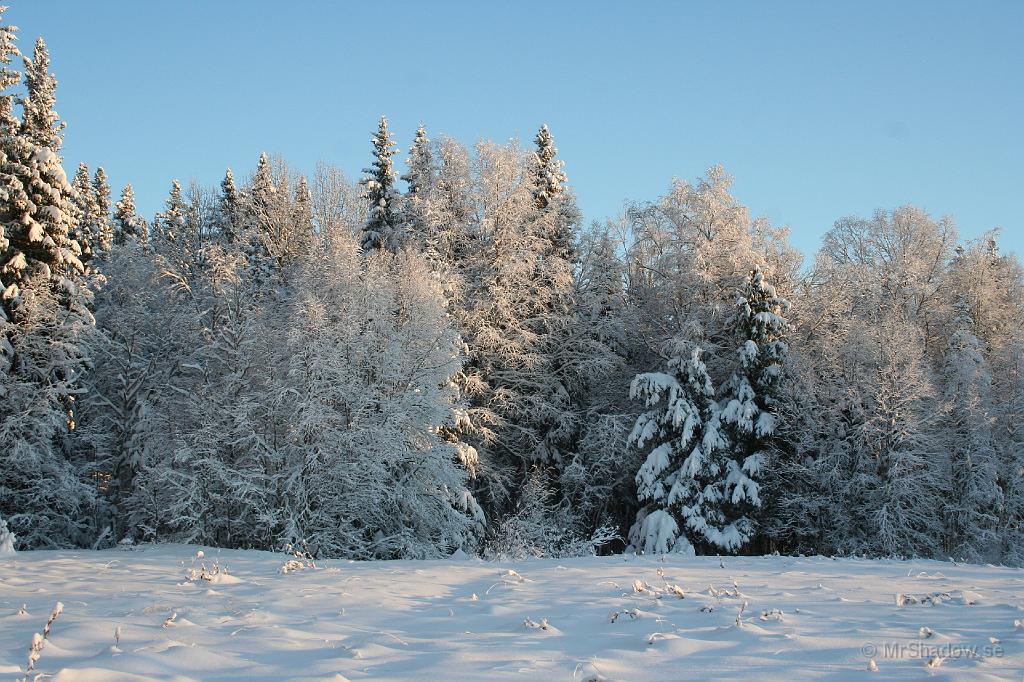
(39, 641)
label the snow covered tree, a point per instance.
(45, 330)
(686, 482)
(169, 224)
(598, 479)
(901, 441)
(8, 77)
(547, 177)
(7, 539)
(126, 374)
(86, 218)
(104, 231)
(974, 501)
(371, 363)
(420, 180)
(1010, 448)
(278, 229)
(128, 224)
(749, 399)
(304, 227)
(689, 252)
(383, 224)
(40, 122)
(230, 207)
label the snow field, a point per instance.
(161, 613)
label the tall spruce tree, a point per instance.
(8, 77)
(230, 208)
(749, 400)
(169, 224)
(104, 231)
(40, 122)
(45, 329)
(682, 483)
(128, 224)
(420, 179)
(87, 215)
(383, 222)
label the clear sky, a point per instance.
(820, 109)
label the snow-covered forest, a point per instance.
(442, 355)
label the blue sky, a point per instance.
(819, 109)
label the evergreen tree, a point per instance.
(8, 77)
(230, 208)
(420, 180)
(383, 223)
(86, 222)
(749, 401)
(556, 206)
(547, 178)
(45, 330)
(169, 224)
(104, 232)
(304, 227)
(40, 123)
(128, 225)
(684, 482)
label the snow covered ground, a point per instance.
(614, 618)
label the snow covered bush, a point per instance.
(539, 528)
(7, 539)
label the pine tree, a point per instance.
(556, 206)
(45, 329)
(304, 228)
(40, 123)
(383, 223)
(128, 225)
(749, 401)
(684, 482)
(104, 233)
(8, 77)
(230, 208)
(85, 231)
(169, 224)
(420, 180)
(547, 177)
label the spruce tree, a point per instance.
(8, 77)
(383, 222)
(683, 482)
(749, 401)
(304, 211)
(169, 224)
(128, 225)
(558, 214)
(546, 171)
(45, 329)
(230, 208)
(420, 180)
(40, 122)
(88, 210)
(104, 233)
